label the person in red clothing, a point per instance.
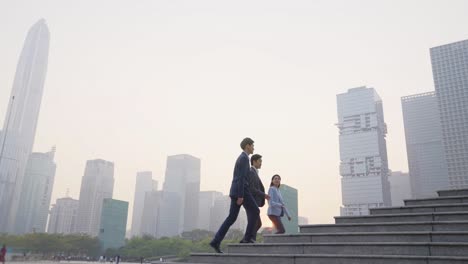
(3, 254)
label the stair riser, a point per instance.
(437, 201)
(243, 259)
(367, 238)
(453, 193)
(385, 228)
(410, 250)
(317, 260)
(401, 218)
(419, 210)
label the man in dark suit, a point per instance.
(240, 195)
(257, 189)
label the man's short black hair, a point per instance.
(255, 157)
(245, 142)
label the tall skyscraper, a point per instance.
(36, 193)
(424, 146)
(363, 151)
(169, 215)
(19, 129)
(450, 71)
(400, 187)
(144, 183)
(97, 184)
(150, 215)
(181, 188)
(205, 205)
(113, 222)
(219, 212)
(63, 216)
(290, 197)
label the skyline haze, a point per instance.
(136, 83)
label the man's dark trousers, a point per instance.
(252, 211)
(257, 227)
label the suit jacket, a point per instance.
(256, 187)
(240, 178)
(276, 203)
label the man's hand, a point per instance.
(240, 200)
(267, 196)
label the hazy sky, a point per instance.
(134, 81)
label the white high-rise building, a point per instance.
(450, 71)
(144, 183)
(179, 208)
(36, 193)
(63, 216)
(205, 205)
(150, 215)
(19, 129)
(97, 184)
(169, 215)
(363, 151)
(424, 146)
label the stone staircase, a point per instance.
(424, 231)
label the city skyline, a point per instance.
(130, 89)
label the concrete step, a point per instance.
(158, 262)
(462, 207)
(387, 227)
(453, 236)
(322, 259)
(371, 248)
(438, 200)
(459, 192)
(414, 217)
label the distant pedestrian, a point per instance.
(117, 259)
(3, 254)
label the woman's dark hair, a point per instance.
(271, 183)
(245, 142)
(255, 157)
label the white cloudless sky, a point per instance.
(135, 81)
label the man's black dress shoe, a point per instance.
(247, 241)
(216, 247)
